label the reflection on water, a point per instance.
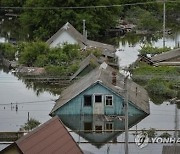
(40, 87)
(98, 129)
(12, 90)
(130, 45)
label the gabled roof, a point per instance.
(72, 31)
(87, 61)
(166, 55)
(50, 137)
(103, 75)
(82, 41)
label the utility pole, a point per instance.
(164, 23)
(28, 117)
(126, 113)
(84, 28)
(176, 122)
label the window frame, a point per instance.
(109, 123)
(85, 127)
(98, 95)
(107, 99)
(84, 101)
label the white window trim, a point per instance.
(112, 100)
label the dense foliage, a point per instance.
(8, 50)
(144, 19)
(160, 81)
(60, 60)
(149, 49)
(43, 22)
(63, 60)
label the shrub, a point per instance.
(8, 50)
(149, 49)
(32, 123)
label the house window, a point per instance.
(98, 129)
(87, 127)
(109, 126)
(109, 100)
(98, 98)
(87, 100)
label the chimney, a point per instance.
(114, 78)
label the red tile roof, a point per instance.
(50, 137)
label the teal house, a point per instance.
(101, 92)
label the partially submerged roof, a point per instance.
(87, 61)
(50, 137)
(103, 75)
(82, 41)
(71, 30)
(166, 55)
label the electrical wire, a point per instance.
(85, 7)
(30, 102)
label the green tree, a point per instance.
(8, 50)
(31, 51)
(149, 49)
(144, 19)
(32, 123)
(45, 22)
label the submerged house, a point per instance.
(68, 34)
(170, 58)
(101, 92)
(50, 137)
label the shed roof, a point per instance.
(82, 41)
(50, 137)
(166, 55)
(103, 75)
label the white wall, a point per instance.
(63, 38)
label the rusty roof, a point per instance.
(50, 137)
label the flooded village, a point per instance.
(70, 92)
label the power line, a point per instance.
(84, 7)
(29, 102)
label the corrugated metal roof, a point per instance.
(166, 55)
(171, 149)
(50, 137)
(137, 95)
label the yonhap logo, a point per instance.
(142, 140)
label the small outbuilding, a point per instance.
(170, 58)
(50, 137)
